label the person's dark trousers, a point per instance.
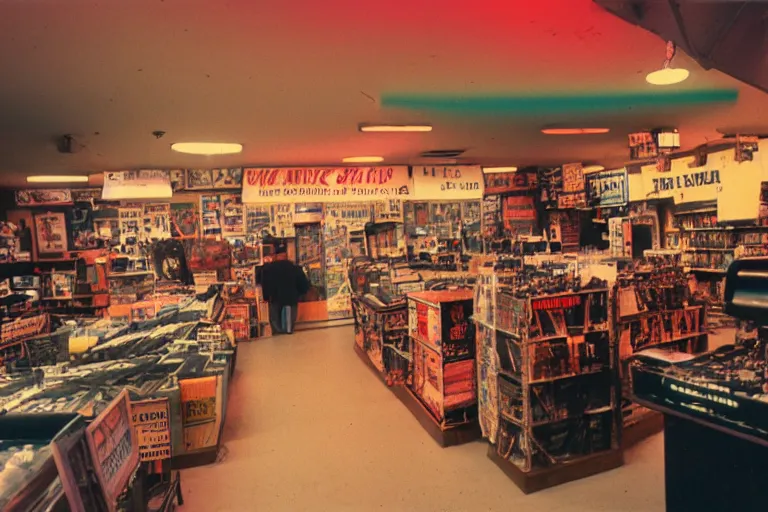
(277, 320)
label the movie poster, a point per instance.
(185, 220)
(227, 178)
(232, 210)
(210, 206)
(51, 229)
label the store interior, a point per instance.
(529, 242)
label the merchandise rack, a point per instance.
(549, 366)
(381, 337)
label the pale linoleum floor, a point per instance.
(311, 428)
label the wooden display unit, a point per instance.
(443, 380)
(555, 368)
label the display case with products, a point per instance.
(381, 336)
(443, 369)
(654, 308)
(556, 373)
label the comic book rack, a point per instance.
(548, 381)
(653, 309)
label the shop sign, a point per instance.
(683, 184)
(448, 182)
(607, 188)
(139, 184)
(502, 182)
(325, 184)
(114, 452)
(23, 328)
(153, 430)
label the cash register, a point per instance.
(715, 406)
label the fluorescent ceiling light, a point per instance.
(207, 148)
(57, 179)
(362, 159)
(574, 131)
(491, 170)
(593, 168)
(396, 128)
(667, 76)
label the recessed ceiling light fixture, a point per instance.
(667, 75)
(389, 128)
(574, 131)
(362, 159)
(592, 168)
(492, 170)
(207, 148)
(57, 179)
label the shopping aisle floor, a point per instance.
(310, 427)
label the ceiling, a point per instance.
(291, 80)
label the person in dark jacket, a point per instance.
(282, 283)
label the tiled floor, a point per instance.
(311, 428)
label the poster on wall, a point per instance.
(200, 412)
(157, 222)
(352, 215)
(178, 179)
(388, 211)
(51, 229)
(199, 179)
(210, 206)
(551, 187)
(137, 184)
(282, 221)
(491, 216)
(325, 184)
(83, 234)
(151, 422)
(607, 188)
(573, 194)
(185, 220)
(131, 220)
(232, 214)
(227, 178)
(504, 182)
(519, 215)
(642, 146)
(114, 451)
(448, 182)
(43, 197)
(258, 219)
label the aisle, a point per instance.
(311, 428)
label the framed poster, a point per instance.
(227, 178)
(185, 220)
(43, 197)
(114, 449)
(210, 206)
(153, 429)
(178, 179)
(232, 214)
(51, 229)
(198, 179)
(83, 233)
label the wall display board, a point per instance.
(201, 412)
(353, 215)
(232, 215)
(448, 182)
(185, 220)
(282, 221)
(443, 351)
(114, 449)
(44, 197)
(151, 420)
(607, 188)
(325, 184)
(210, 207)
(51, 229)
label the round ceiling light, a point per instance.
(207, 148)
(574, 131)
(362, 159)
(667, 76)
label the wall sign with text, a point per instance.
(607, 188)
(325, 184)
(448, 182)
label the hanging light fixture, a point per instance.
(668, 75)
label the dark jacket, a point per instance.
(283, 282)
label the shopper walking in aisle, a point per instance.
(282, 283)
